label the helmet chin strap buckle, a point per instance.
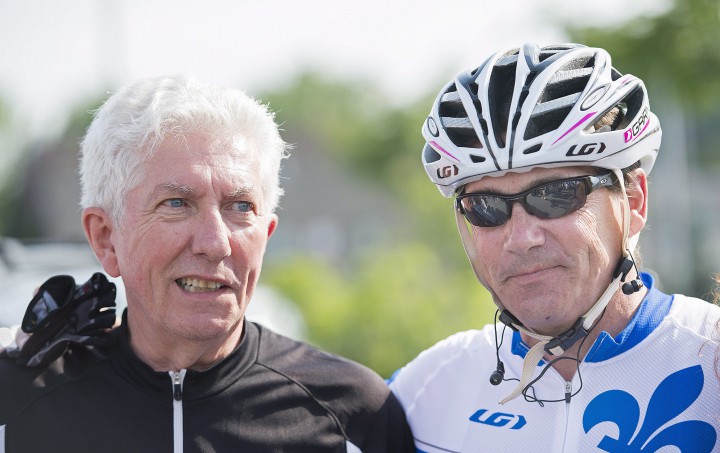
(556, 345)
(509, 320)
(564, 341)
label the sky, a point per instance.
(58, 55)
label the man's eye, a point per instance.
(243, 206)
(174, 203)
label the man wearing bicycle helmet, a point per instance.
(546, 153)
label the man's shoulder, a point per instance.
(447, 362)
(22, 385)
(697, 315)
(310, 365)
(694, 304)
(456, 348)
(73, 363)
(357, 397)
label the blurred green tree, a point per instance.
(687, 66)
(397, 302)
(385, 304)
(381, 142)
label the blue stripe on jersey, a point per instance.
(652, 311)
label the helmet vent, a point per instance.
(611, 119)
(500, 93)
(620, 116)
(484, 126)
(523, 95)
(463, 137)
(454, 119)
(559, 96)
(529, 79)
(634, 102)
(451, 106)
(430, 155)
(478, 108)
(565, 83)
(477, 159)
(533, 149)
(547, 52)
(546, 121)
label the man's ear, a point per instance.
(99, 227)
(637, 193)
(272, 224)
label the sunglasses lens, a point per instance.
(486, 210)
(548, 201)
(557, 198)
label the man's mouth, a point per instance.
(197, 285)
(529, 273)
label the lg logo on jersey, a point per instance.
(498, 419)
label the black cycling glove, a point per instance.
(62, 313)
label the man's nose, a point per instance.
(212, 236)
(523, 230)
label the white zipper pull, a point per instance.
(568, 391)
(177, 386)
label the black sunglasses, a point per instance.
(548, 200)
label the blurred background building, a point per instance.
(366, 248)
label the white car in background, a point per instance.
(24, 267)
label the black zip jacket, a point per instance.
(272, 394)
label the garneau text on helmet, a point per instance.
(635, 131)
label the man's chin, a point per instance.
(537, 308)
(206, 328)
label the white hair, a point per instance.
(130, 125)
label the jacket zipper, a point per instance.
(177, 378)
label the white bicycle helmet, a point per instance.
(538, 107)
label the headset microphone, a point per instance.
(498, 375)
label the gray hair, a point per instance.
(130, 125)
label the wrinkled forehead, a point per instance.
(182, 156)
(211, 142)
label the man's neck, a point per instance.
(166, 353)
(615, 318)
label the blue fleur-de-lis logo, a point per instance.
(674, 394)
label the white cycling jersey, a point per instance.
(654, 387)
